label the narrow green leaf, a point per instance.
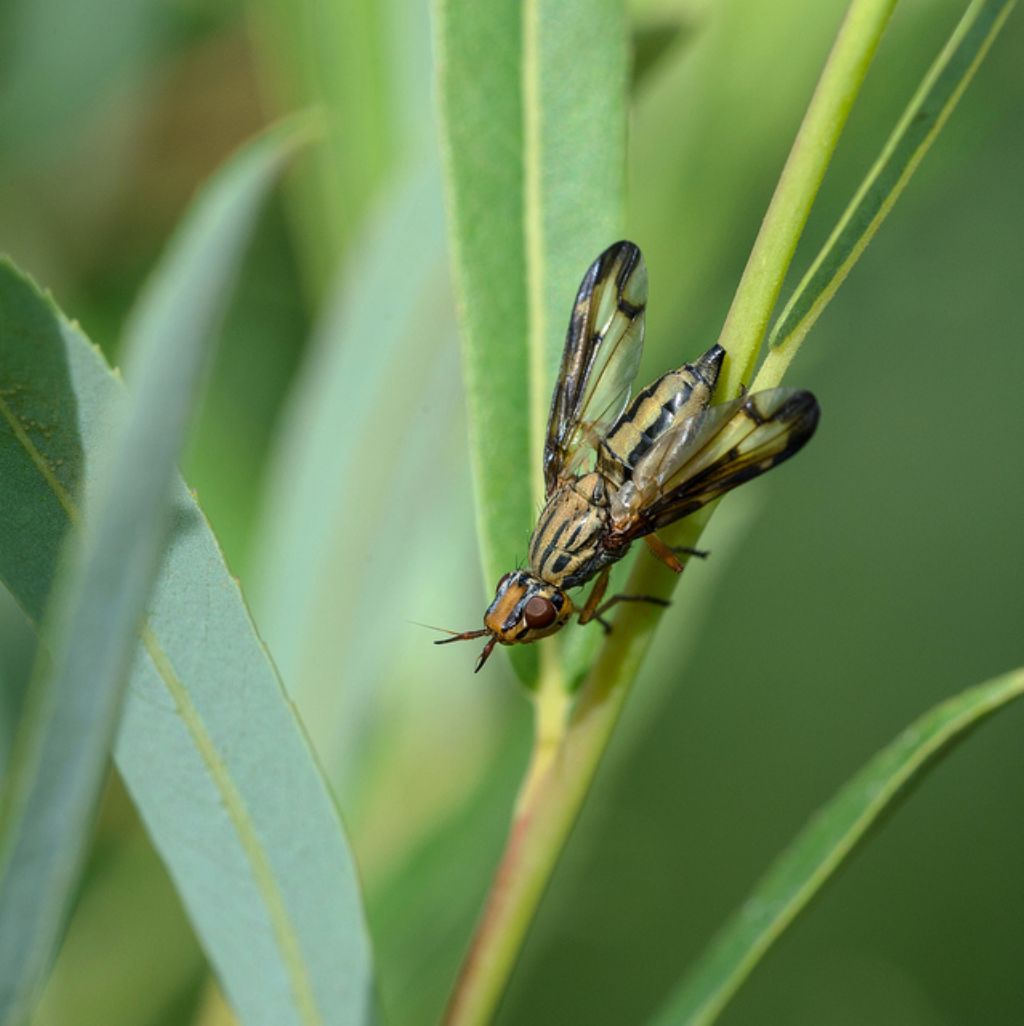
(385, 343)
(208, 745)
(574, 144)
(534, 145)
(916, 130)
(478, 55)
(825, 843)
(334, 55)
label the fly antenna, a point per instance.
(431, 627)
(456, 636)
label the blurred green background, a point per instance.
(877, 574)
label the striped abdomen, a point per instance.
(565, 548)
(679, 394)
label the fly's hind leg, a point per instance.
(661, 551)
(686, 550)
(669, 555)
(593, 609)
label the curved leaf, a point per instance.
(829, 839)
(209, 746)
(60, 761)
(362, 420)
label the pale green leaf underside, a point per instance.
(917, 128)
(209, 746)
(822, 847)
(64, 741)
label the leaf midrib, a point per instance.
(39, 461)
(533, 237)
(263, 874)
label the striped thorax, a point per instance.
(566, 548)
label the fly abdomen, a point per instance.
(679, 394)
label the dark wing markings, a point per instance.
(600, 359)
(709, 454)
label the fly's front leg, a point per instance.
(592, 610)
(589, 610)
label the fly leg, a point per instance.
(589, 610)
(592, 610)
(685, 550)
(616, 599)
(669, 554)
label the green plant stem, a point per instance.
(564, 762)
(556, 784)
(562, 768)
(747, 321)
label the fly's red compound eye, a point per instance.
(540, 612)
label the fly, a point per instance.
(617, 470)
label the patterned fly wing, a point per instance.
(600, 359)
(705, 456)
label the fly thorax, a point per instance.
(625, 503)
(569, 531)
(592, 489)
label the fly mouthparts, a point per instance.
(488, 648)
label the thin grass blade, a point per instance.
(838, 87)
(825, 843)
(921, 122)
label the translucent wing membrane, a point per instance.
(600, 360)
(705, 456)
